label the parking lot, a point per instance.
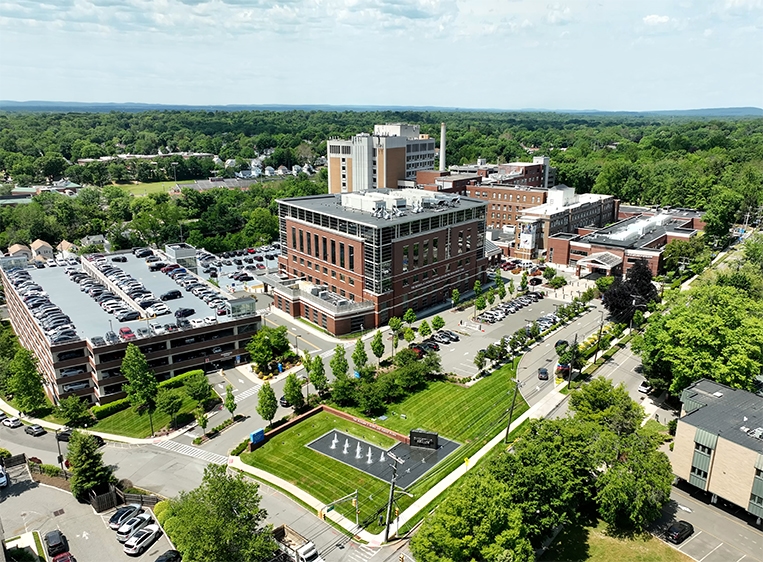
(28, 506)
(458, 357)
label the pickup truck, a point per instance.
(297, 547)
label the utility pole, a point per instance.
(396, 460)
(517, 384)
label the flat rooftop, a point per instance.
(678, 212)
(91, 320)
(331, 205)
(551, 208)
(735, 415)
(637, 231)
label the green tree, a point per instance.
(549, 273)
(477, 288)
(359, 355)
(524, 282)
(141, 387)
(607, 405)
(395, 342)
(511, 287)
(338, 363)
(501, 291)
(557, 282)
(201, 418)
(455, 297)
(409, 335)
(198, 388)
(370, 399)
(169, 401)
(480, 359)
(267, 403)
(604, 283)
(25, 382)
(268, 345)
(477, 521)
(490, 297)
(86, 464)
(395, 324)
(424, 329)
(292, 391)
(377, 345)
(343, 389)
(409, 317)
(74, 411)
(438, 323)
(221, 520)
(230, 400)
(318, 374)
(480, 303)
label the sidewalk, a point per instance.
(11, 411)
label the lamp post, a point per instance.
(60, 456)
(517, 386)
(175, 171)
(598, 342)
(395, 460)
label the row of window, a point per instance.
(505, 216)
(434, 273)
(321, 246)
(537, 199)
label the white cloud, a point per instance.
(654, 19)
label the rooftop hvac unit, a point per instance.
(341, 302)
(323, 294)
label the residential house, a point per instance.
(41, 249)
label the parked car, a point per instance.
(170, 556)
(65, 557)
(111, 338)
(34, 430)
(429, 345)
(3, 478)
(542, 374)
(121, 259)
(170, 295)
(184, 312)
(645, 387)
(55, 543)
(124, 513)
(142, 539)
(679, 531)
(284, 402)
(13, 422)
(132, 526)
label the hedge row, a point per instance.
(101, 412)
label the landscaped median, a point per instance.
(470, 416)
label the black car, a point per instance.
(535, 281)
(55, 543)
(66, 436)
(284, 402)
(171, 295)
(34, 430)
(679, 532)
(430, 345)
(123, 514)
(121, 259)
(170, 556)
(561, 343)
(543, 374)
(184, 312)
(111, 338)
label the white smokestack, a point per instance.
(442, 147)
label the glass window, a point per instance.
(325, 249)
(341, 254)
(351, 257)
(294, 237)
(301, 241)
(309, 249)
(315, 236)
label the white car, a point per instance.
(132, 526)
(158, 310)
(12, 422)
(645, 387)
(197, 323)
(140, 541)
(209, 320)
(158, 329)
(3, 478)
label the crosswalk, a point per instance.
(247, 393)
(190, 451)
(362, 553)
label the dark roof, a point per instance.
(733, 414)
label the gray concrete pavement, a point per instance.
(718, 536)
(28, 506)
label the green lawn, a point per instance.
(469, 415)
(132, 424)
(593, 544)
(154, 187)
(456, 412)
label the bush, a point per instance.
(110, 409)
(672, 425)
(160, 511)
(51, 470)
(5, 454)
(240, 448)
(178, 381)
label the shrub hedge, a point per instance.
(176, 382)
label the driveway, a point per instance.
(29, 506)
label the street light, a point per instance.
(60, 456)
(517, 386)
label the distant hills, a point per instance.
(86, 107)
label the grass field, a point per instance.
(469, 415)
(155, 187)
(593, 544)
(132, 424)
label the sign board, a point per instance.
(257, 436)
(423, 439)
(356, 374)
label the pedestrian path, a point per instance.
(190, 451)
(246, 394)
(362, 553)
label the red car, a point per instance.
(126, 334)
(65, 557)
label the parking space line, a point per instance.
(709, 553)
(691, 539)
(743, 556)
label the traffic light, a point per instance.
(354, 502)
(321, 515)
(397, 511)
(402, 558)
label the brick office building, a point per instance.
(614, 249)
(349, 262)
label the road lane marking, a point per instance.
(743, 555)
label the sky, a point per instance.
(507, 54)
